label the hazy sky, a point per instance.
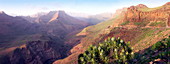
(28, 7)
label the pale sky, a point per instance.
(29, 7)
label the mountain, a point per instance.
(91, 19)
(94, 19)
(29, 18)
(49, 32)
(11, 27)
(58, 38)
(33, 18)
(59, 23)
(140, 25)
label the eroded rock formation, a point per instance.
(142, 13)
(37, 52)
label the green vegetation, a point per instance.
(101, 26)
(98, 27)
(146, 32)
(116, 51)
(160, 50)
(149, 9)
(161, 24)
(95, 32)
(142, 24)
(152, 9)
(111, 50)
(147, 37)
(125, 23)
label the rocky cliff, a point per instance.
(37, 52)
(142, 13)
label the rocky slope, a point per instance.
(8, 22)
(37, 52)
(13, 26)
(140, 25)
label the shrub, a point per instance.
(111, 50)
(125, 23)
(141, 24)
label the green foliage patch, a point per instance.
(160, 50)
(141, 24)
(111, 50)
(125, 23)
(161, 24)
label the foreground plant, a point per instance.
(112, 50)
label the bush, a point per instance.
(111, 50)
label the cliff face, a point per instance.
(142, 13)
(37, 52)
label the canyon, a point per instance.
(58, 38)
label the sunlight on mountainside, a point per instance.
(84, 32)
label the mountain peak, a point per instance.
(57, 14)
(141, 6)
(52, 12)
(2, 12)
(168, 3)
(61, 11)
(138, 6)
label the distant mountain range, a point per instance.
(54, 26)
(95, 19)
(91, 19)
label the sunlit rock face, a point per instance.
(142, 13)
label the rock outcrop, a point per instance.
(142, 13)
(37, 52)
